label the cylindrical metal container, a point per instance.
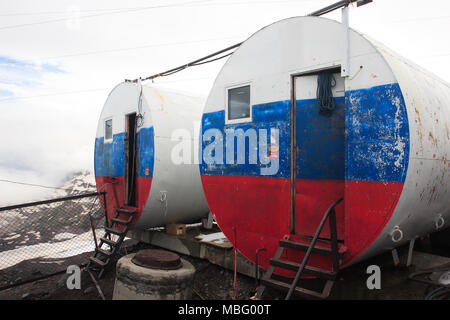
(144, 157)
(383, 144)
(158, 278)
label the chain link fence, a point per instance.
(43, 238)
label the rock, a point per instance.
(19, 279)
(26, 296)
(223, 295)
(89, 290)
(44, 295)
(62, 281)
(35, 272)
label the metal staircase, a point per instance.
(115, 232)
(331, 248)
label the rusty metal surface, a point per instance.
(157, 259)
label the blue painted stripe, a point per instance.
(146, 151)
(320, 140)
(265, 116)
(374, 145)
(109, 157)
(377, 141)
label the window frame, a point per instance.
(240, 120)
(104, 129)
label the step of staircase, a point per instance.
(317, 272)
(301, 292)
(115, 231)
(120, 221)
(108, 241)
(98, 261)
(316, 249)
(126, 211)
(105, 252)
(114, 245)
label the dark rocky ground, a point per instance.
(211, 282)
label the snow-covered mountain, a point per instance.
(78, 182)
(55, 222)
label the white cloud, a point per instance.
(45, 137)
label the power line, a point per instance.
(32, 184)
(114, 10)
(207, 59)
(192, 3)
(90, 90)
(55, 94)
(62, 12)
(203, 60)
(102, 14)
(137, 9)
(134, 48)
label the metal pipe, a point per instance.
(184, 66)
(331, 7)
(317, 13)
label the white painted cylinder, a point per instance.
(385, 149)
(168, 187)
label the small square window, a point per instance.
(239, 103)
(108, 129)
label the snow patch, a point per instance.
(12, 237)
(217, 238)
(64, 236)
(78, 244)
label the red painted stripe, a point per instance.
(115, 193)
(253, 212)
(313, 198)
(368, 207)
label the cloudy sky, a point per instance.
(59, 60)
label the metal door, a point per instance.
(318, 156)
(130, 160)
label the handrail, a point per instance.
(313, 243)
(36, 203)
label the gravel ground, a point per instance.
(211, 282)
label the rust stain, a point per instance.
(433, 139)
(420, 129)
(421, 194)
(161, 98)
(431, 194)
(447, 132)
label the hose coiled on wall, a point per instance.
(325, 83)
